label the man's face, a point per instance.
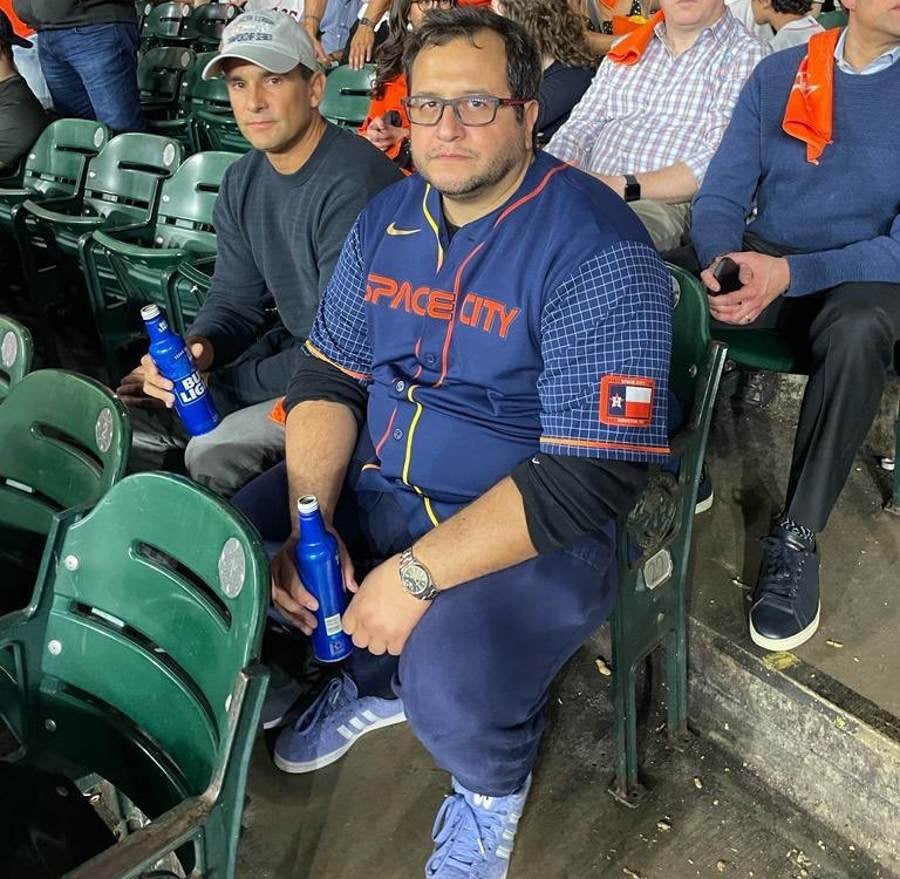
(880, 18)
(460, 161)
(691, 14)
(273, 110)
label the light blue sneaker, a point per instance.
(474, 834)
(330, 726)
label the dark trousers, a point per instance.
(475, 672)
(847, 339)
(91, 72)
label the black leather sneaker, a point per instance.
(786, 606)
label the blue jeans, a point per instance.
(91, 72)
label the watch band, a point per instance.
(367, 22)
(632, 188)
(407, 559)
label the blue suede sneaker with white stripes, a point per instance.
(330, 726)
(474, 834)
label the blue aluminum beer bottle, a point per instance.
(174, 362)
(319, 566)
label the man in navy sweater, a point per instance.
(811, 146)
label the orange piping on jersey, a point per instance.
(457, 281)
(533, 194)
(418, 371)
(387, 432)
(317, 353)
(434, 227)
(595, 444)
(371, 466)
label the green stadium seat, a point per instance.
(206, 103)
(64, 440)
(161, 79)
(122, 185)
(55, 166)
(143, 258)
(768, 351)
(137, 662)
(654, 542)
(207, 22)
(16, 352)
(348, 94)
(167, 24)
(834, 19)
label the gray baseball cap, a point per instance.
(271, 40)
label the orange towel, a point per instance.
(629, 49)
(809, 112)
(278, 415)
(626, 24)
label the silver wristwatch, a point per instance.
(416, 578)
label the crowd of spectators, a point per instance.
(454, 325)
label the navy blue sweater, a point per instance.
(842, 214)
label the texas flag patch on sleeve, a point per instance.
(627, 400)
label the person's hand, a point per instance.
(156, 389)
(763, 278)
(361, 47)
(311, 26)
(382, 134)
(289, 594)
(383, 614)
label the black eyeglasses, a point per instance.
(435, 4)
(469, 110)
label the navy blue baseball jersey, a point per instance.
(545, 325)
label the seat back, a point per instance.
(690, 335)
(126, 177)
(161, 73)
(64, 440)
(206, 24)
(348, 94)
(834, 19)
(166, 24)
(185, 217)
(156, 600)
(56, 162)
(16, 350)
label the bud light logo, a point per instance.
(191, 388)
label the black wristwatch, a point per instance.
(367, 22)
(632, 188)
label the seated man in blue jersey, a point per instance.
(803, 143)
(481, 394)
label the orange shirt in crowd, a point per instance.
(21, 29)
(394, 91)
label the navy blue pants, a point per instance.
(91, 72)
(475, 672)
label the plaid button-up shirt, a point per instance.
(663, 109)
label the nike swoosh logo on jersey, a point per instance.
(393, 230)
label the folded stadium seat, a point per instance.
(122, 185)
(55, 166)
(16, 351)
(211, 120)
(769, 351)
(142, 259)
(654, 540)
(166, 25)
(834, 19)
(348, 94)
(64, 440)
(138, 662)
(161, 79)
(189, 287)
(206, 23)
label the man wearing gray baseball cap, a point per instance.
(281, 218)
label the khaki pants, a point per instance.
(669, 225)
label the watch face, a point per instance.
(415, 579)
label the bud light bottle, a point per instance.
(319, 566)
(173, 359)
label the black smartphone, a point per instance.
(392, 117)
(727, 273)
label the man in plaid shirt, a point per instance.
(658, 107)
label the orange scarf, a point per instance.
(809, 112)
(629, 49)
